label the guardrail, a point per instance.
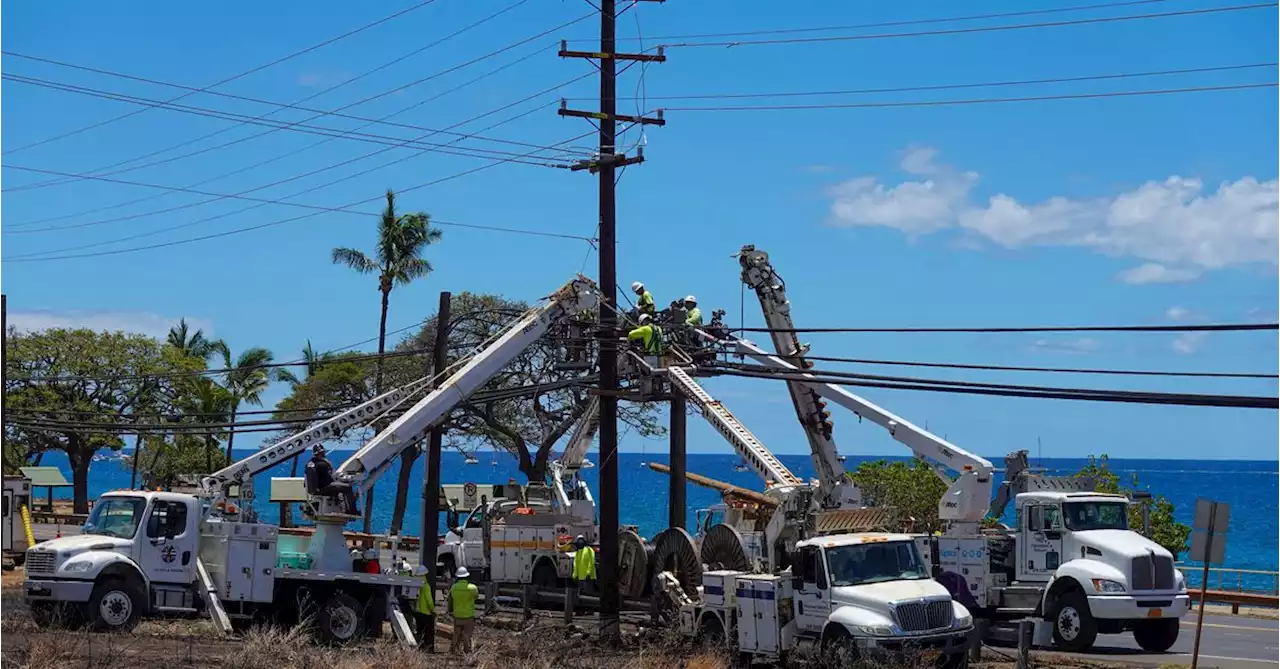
(1237, 587)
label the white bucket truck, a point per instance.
(158, 553)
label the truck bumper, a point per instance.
(945, 644)
(1139, 607)
(34, 590)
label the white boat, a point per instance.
(471, 461)
(587, 464)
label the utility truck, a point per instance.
(1071, 563)
(159, 553)
(17, 495)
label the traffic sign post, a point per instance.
(1209, 546)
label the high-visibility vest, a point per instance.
(650, 336)
(426, 598)
(584, 564)
(463, 595)
(694, 317)
(646, 303)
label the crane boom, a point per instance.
(375, 457)
(835, 489)
(583, 435)
(759, 458)
(968, 497)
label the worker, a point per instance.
(644, 301)
(424, 614)
(584, 561)
(462, 603)
(319, 473)
(649, 335)
(693, 315)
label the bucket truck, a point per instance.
(845, 594)
(1071, 562)
(157, 553)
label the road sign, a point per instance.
(1206, 551)
(1210, 512)
(1208, 546)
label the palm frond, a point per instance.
(412, 268)
(354, 259)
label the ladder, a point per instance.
(209, 593)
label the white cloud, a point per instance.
(1075, 346)
(1189, 342)
(1178, 226)
(1177, 313)
(1154, 272)
(150, 324)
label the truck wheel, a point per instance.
(838, 649)
(115, 605)
(545, 576)
(1074, 628)
(341, 620)
(711, 633)
(1156, 636)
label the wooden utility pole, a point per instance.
(431, 480)
(676, 498)
(605, 165)
(4, 365)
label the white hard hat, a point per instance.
(420, 570)
(462, 572)
(691, 298)
(637, 286)
(644, 318)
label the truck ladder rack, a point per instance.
(209, 594)
(765, 463)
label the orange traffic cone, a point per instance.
(57, 531)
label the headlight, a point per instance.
(963, 621)
(873, 630)
(1182, 585)
(1103, 585)
(78, 566)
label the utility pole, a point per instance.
(431, 481)
(604, 165)
(4, 366)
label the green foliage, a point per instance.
(910, 487)
(1165, 530)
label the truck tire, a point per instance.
(838, 648)
(545, 576)
(341, 620)
(711, 633)
(1074, 628)
(115, 606)
(1156, 636)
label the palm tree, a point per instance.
(246, 381)
(398, 261)
(206, 402)
(194, 344)
(312, 363)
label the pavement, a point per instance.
(1227, 642)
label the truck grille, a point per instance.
(40, 561)
(924, 616)
(1152, 572)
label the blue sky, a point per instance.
(1148, 209)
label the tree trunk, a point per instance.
(377, 390)
(231, 433)
(79, 461)
(407, 458)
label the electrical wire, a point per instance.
(1236, 401)
(943, 87)
(976, 101)
(261, 226)
(110, 171)
(1210, 327)
(1062, 370)
(241, 75)
(980, 29)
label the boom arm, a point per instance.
(563, 470)
(375, 457)
(835, 488)
(743, 441)
(968, 497)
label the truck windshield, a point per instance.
(1096, 515)
(115, 517)
(861, 564)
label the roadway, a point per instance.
(1227, 642)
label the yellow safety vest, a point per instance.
(694, 317)
(646, 303)
(650, 336)
(584, 564)
(426, 598)
(463, 595)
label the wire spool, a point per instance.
(675, 552)
(723, 548)
(633, 564)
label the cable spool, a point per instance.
(633, 564)
(674, 551)
(723, 548)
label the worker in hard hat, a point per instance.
(693, 315)
(648, 334)
(319, 477)
(462, 603)
(584, 561)
(644, 299)
(424, 613)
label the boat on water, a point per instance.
(471, 460)
(740, 467)
(587, 464)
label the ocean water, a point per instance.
(1251, 487)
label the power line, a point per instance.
(110, 169)
(891, 24)
(1063, 370)
(1237, 401)
(943, 87)
(974, 101)
(336, 133)
(241, 75)
(980, 29)
(1211, 327)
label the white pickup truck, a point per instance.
(847, 596)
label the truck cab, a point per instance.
(136, 552)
